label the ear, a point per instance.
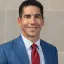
(19, 21)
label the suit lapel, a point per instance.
(47, 55)
(20, 50)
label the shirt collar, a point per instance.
(28, 43)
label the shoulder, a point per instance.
(48, 45)
(8, 45)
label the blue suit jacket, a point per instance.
(14, 52)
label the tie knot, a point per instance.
(34, 46)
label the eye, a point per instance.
(27, 16)
(38, 15)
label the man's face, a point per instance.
(31, 22)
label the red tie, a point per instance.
(35, 55)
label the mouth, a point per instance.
(32, 27)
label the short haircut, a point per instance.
(30, 3)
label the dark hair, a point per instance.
(28, 3)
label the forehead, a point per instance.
(31, 10)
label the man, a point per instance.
(28, 48)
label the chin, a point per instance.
(32, 35)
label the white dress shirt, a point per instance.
(28, 44)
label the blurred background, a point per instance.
(52, 32)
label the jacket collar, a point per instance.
(20, 49)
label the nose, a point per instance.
(33, 20)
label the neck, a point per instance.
(32, 38)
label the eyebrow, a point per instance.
(27, 15)
(38, 15)
(32, 14)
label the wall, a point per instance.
(52, 32)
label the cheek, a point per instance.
(42, 23)
(23, 25)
